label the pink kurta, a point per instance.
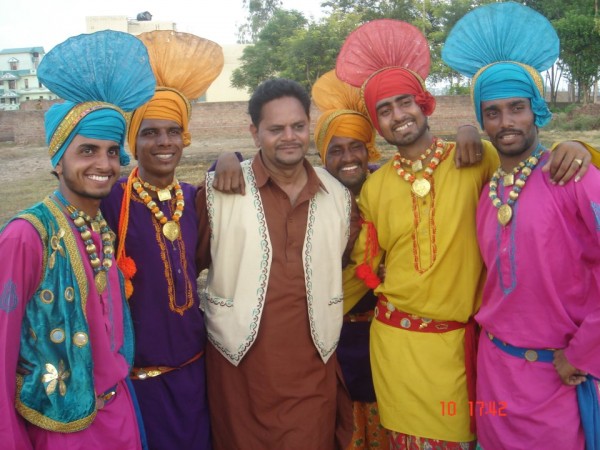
(542, 291)
(115, 425)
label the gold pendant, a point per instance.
(171, 230)
(164, 194)
(417, 166)
(505, 213)
(100, 281)
(421, 187)
(96, 227)
(509, 179)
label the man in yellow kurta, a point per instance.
(419, 213)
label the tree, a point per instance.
(265, 59)
(580, 50)
(313, 51)
(553, 76)
(259, 14)
(576, 23)
(293, 47)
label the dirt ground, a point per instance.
(25, 176)
(25, 170)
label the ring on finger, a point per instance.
(578, 161)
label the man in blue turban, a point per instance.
(540, 312)
(67, 339)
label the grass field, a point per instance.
(25, 171)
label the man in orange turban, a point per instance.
(345, 140)
(153, 214)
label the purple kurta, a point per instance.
(542, 291)
(115, 425)
(353, 353)
(168, 324)
(353, 348)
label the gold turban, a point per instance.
(342, 114)
(344, 123)
(184, 66)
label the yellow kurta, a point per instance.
(433, 270)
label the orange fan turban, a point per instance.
(184, 66)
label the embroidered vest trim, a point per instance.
(241, 250)
(57, 393)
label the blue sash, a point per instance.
(587, 392)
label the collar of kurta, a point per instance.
(262, 175)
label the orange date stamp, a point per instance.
(479, 408)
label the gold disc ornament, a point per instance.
(171, 230)
(100, 281)
(505, 213)
(421, 187)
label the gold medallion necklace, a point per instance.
(421, 186)
(170, 228)
(505, 210)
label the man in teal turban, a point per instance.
(538, 363)
(67, 339)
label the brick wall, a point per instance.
(212, 120)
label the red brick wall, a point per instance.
(212, 120)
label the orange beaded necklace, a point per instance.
(421, 186)
(170, 228)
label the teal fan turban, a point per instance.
(503, 47)
(102, 76)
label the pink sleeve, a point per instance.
(20, 272)
(583, 350)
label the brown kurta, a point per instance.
(281, 395)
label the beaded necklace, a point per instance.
(170, 228)
(421, 186)
(163, 193)
(80, 220)
(505, 211)
(416, 166)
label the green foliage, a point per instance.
(260, 12)
(458, 90)
(564, 109)
(563, 121)
(314, 49)
(288, 44)
(266, 58)
(580, 50)
(575, 117)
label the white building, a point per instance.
(219, 91)
(126, 25)
(18, 66)
(18, 77)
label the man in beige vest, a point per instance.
(273, 301)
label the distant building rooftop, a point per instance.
(10, 51)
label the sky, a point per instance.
(43, 23)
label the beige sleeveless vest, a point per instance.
(241, 256)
